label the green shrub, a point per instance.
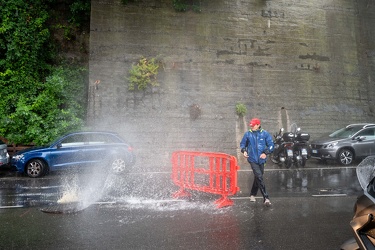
(58, 108)
(80, 12)
(241, 109)
(39, 101)
(143, 74)
(179, 5)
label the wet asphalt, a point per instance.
(311, 209)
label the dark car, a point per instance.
(355, 141)
(106, 150)
(4, 156)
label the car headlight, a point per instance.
(17, 157)
(331, 145)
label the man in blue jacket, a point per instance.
(255, 145)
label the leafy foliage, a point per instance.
(24, 42)
(38, 101)
(80, 12)
(241, 109)
(58, 108)
(143, 73)
(179, 5)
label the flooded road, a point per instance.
(312, 208)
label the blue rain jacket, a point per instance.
(256, 143)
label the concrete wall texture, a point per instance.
(307, 62)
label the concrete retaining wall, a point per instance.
(308, 62)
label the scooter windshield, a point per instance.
(366, 171)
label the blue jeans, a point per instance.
(258, 170)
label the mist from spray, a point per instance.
(148, 185)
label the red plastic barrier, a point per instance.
(214, 173)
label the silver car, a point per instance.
(354, 141)
(4, 156)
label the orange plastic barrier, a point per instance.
(214, 173)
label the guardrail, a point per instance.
(14, 148)
(209, 172)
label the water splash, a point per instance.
(85, 189)
(70, 191)
(127, 191)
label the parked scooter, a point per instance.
(291, 147)
(283, 152)
(301, 148)
(277, 155)
(363, 222)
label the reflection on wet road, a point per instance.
(313, 181)
(136, 211)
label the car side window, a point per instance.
(73, 140)
(110, 138)
(368, 133)
(101, 139)
(96, 139)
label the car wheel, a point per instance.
(36, 168)
(118, 165)
(345, 156)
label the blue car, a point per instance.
(106, 150)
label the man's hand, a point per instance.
(245, 154)
(263, 156)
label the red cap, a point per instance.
(254, 121)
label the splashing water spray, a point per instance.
(70, 191)
(80, 190)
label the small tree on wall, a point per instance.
(241, 109)
(143, 74)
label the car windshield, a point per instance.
(345, 132)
